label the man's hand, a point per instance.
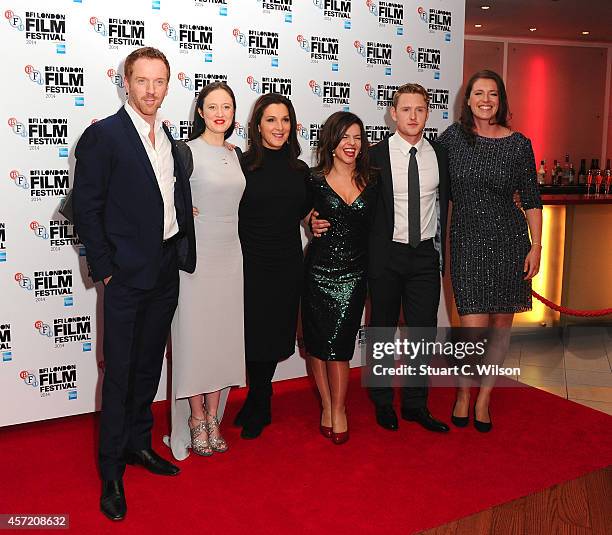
(517, 200)
(195, 211)
(229, 146)
(318, 227)
(107, 280)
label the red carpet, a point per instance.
(293, 480)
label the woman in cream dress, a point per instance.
(207, 331)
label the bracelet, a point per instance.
(538, 244)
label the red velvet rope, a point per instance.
(572, 312)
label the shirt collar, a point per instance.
(141, 125)
(400, 143)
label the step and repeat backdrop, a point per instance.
(63, 69)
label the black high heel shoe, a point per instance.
(459, 421)
(483, 427)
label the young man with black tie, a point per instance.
(132, 210)
(407, 241)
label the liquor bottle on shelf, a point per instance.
(582, 172)
(589, 181)
(542, 173)
(598, 180)
(553, 172)
(571, 176)
(565, 179)
(558, 174)
(608, 176)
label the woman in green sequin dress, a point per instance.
(335, 266)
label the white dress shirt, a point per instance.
(162, 162)
(429, 179)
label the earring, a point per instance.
(333, 153)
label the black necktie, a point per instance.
(414, 201)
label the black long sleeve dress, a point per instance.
(274, 202)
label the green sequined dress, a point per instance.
(335, 273)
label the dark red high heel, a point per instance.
(340, 438)
(327, 432)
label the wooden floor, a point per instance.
(580, 506)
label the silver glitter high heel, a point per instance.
(200, 446)
(217, 443)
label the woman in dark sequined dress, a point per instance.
(492, 257)
(333, 299)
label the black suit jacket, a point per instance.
(118, 207)
(381, 234)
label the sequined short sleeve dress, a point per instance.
(335, 273)
(489, 237)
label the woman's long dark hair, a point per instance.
(330, 136)
(198, 121)
(253, 157)
(467, 118)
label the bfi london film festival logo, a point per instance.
(42, 182)
(375, 54)
(6, 342)
(197, 81)
(40, 27)
(59, 80)
(388, 14)
(430, 132)
(48, 284)
(270, 85)
(284, 7)
(74, 331)
(43, 131)
(332, 93)
(222, 4)
(336, 9)
(182, 131)
(120, 32)
(438, 101)
(115, 77)
(2, 241)
(55, 379)
(382, 94)
(426, 59)
(321, 48)
(240, 129)
(376, 132)
(259, 43)
(59, 234)
(437, 20)
(191, 38)
(309, 133)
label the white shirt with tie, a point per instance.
(162, 162)
(429, 179)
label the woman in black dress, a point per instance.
(335, 266)
(273, 204)
(492, 257)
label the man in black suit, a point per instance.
(132, 209)
(407, 241)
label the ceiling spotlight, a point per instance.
(485, 7)
(585, 33)
(532, 29)
(477, 25)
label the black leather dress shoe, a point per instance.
(112, 501)
(386, 417)
(152, 462)
(423, 417)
